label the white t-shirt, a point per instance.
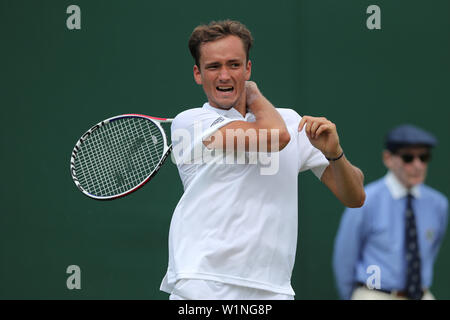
(236, 223)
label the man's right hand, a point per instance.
(252, 93)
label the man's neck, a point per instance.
(241, 108)
(398, 189)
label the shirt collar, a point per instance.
(231, 113)
(397, 189)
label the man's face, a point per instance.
(409, 173)
(223, 72)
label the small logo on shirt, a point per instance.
(430, 235)
(218, 120)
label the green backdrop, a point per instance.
(317, 57)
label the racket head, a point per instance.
(119, 155)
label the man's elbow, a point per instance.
(357, 201)
(284, 139)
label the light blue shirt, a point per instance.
(373, 235)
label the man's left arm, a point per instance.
(343, 179)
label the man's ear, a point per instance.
(387, 159)
(248, 71)
(197, 75)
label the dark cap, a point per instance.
(408, 135)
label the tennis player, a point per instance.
(233, 234)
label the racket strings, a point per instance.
(119, 171)
(119, 156)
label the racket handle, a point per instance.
(161, 120)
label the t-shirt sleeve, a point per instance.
(310, 157)
(190, 128)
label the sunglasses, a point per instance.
(408, 158)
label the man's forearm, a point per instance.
(266, 116)
(268, 133)
(349, 182)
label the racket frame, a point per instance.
(166, 152)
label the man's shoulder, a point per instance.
(434, 195)
(375, 192)
(291, 118)
(187, 117)
(376, 187)
(288, 113)
(190, 113)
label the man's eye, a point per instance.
(235, 65)
(211, 67)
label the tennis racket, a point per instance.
(119, 155)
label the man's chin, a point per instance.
(415, 181)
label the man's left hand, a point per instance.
(322, 134)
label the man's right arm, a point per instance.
(347, 249)
(268, 133)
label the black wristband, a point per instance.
(335, 159)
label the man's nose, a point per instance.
(224, 75)
(418, 163)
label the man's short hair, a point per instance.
(216, 30)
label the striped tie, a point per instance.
(413, 276)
